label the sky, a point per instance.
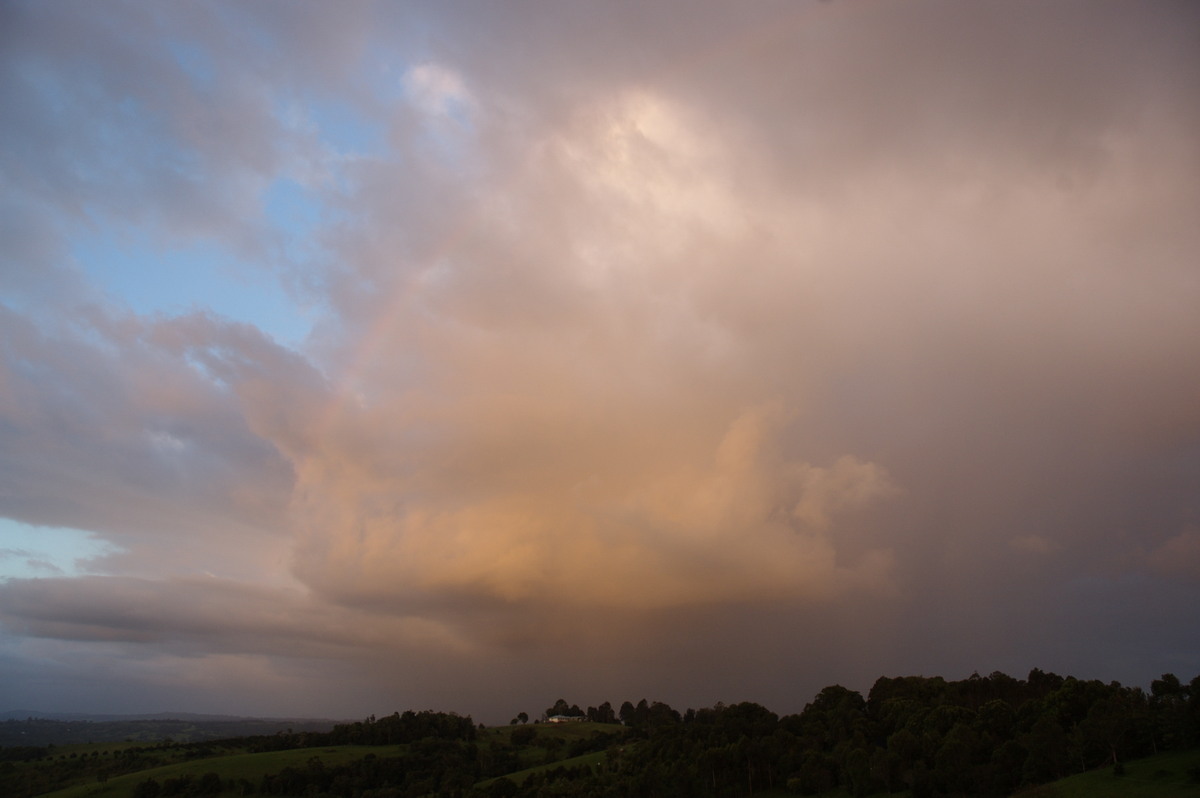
(364, 357)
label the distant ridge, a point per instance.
(23, 714)
(25, 727)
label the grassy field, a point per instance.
(1161, 776)
(550, 742)
(592, 760)
(251, 767)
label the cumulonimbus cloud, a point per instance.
(688, 525)
(663, 312)
(606, 448)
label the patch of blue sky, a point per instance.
(290, 206)
(347, 131)
(195, 61)
(295, 211)
(29, 552)
(171, 281)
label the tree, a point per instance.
(954, 762)
(905, 748)
(995, 720)
(147, 789)
(1169, 708)
(1006, 762)
(523, 717)
(1046, 743)
(858, 772)
(884, 765)
(210, 784)
(561, 707)
(660, 714)
(1104, 731)
(523, 736)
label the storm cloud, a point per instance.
(687, 351)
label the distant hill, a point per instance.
(23, 714)
(30, 728)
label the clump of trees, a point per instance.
(208, 784)
(398, 729)
(985, 735)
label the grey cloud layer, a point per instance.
(872, 324)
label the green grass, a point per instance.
(535, 754)
(231, 763)
(1161, 776)
(251, 767)
(592, 760)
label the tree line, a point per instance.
(985, 735)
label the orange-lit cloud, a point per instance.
(768, 347)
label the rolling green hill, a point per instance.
(911, 736)
(228, 771)
(233, 767)
(1160, 776)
